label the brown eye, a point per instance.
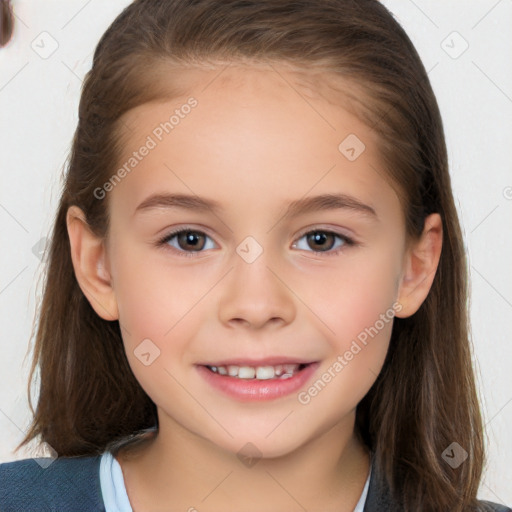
(187, 242)
(191, 240)
(324, 242)
(321, 240)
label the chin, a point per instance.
(251, 448)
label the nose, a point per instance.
(256, 294)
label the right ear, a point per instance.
(91, 265)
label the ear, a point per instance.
(420, 266)
(91, 265)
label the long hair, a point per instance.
(6, 22)
(425, 397)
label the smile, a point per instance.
(254, 383)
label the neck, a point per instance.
(178, 467)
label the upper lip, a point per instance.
(268, 361)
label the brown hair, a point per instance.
(6, 22)
(425, 397)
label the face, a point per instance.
(250, 280)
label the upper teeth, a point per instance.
(284, 371)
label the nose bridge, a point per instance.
(254, 293)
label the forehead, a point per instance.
(261, 131)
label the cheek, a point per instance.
(355, 305)
(358, 311)
(159, 302)
(155, 312)
(353, 295)
(152, 293)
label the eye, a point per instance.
(186, 241)
(323, 241)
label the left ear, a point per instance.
(420, 266)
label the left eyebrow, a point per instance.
(294, 208)
(330, 202)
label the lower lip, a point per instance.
(252, 389)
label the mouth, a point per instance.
(259, 372)
(258, 381)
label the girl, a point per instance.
(256, 292)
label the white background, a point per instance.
(38, 114)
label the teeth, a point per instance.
(246, 372)
(283, 371)
(232, 370)
(264, 372)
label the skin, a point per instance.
(254, 142)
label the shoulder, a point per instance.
(380, 499)
(489, 506)
(64, 483)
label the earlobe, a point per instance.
(420, 266)
(90, 263)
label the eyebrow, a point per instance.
(294, 208)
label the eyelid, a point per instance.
(186, 227)
(328, 229)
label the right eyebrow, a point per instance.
(189, 202)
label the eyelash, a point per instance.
(348, 242)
